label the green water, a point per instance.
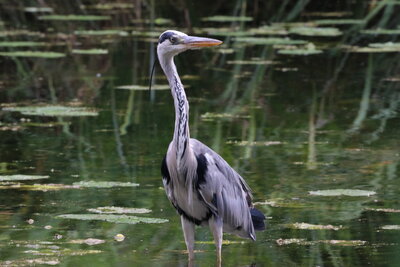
(288, 123)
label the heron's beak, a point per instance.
(199, 42)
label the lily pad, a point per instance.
(90, 51)
(299, 52)
(255, 143)
(384, 210)
(63, 252)
(224, 242)
(307, 226)
(20, 32)
(297, 241)
(20, 44)
(39, 54)
(110, 5)
(112, 218)
(21, 177)
(53, 111)
(270, 30)
(269, 41)
(118, 210)
(228, 19)
(251, 62)
(376, 48)
(283, 203)
(38, 187)
(74, 17)
(339, 21)
(88, 241)
(342, 192)
(144, 87)
(316, 31)
(35, 9)
(211, 116)
(390, 227)
(382, 31)
(31, 262)
(104, 184)
(102, 32)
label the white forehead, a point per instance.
(174, 32)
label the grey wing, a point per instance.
(167, 182)
(224, 191)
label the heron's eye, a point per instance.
(173, 39)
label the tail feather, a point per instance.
(258, 219)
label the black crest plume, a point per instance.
(151, 74)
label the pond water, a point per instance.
(308, 116)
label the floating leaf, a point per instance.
(328, 14)
(110, 5)
(102, 32)
(38, 187)
(375, 48)
(299, 52)
(53, 111)
(338, 21)
(63, 252)
(307, 226)
(384, 210)
(316, 31)
(30, 262)
(20, 44)
(227, 19)
(90, 51)
(390, 227)
(120, 210)
(224, 242)
(40, 54)
(35, 9)
(144, 87)
(298, 241)
(283, 203)
(251, 62)
(163, 21)
(88, 241)
(74, 17)
(21, 177)
(104, 184)
(20, 32)
(306, 50)
(382, 31)
(112, 218)
(343, 192)
(211, 115)
(302, 241)
(270, 30)
(269, 41)
(385, 45)
(255, 143)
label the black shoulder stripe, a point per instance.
(164, 36)
(201, 169)
(191, 218)
(164, 170)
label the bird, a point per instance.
(204, 189)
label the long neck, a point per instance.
(181, 132)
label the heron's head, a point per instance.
(173, 42)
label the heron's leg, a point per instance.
(188, 232)
(216, 225)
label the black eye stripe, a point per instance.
(165, 36)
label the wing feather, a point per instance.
(224, 191)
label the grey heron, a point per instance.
(200, 184)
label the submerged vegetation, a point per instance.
(302, 99)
